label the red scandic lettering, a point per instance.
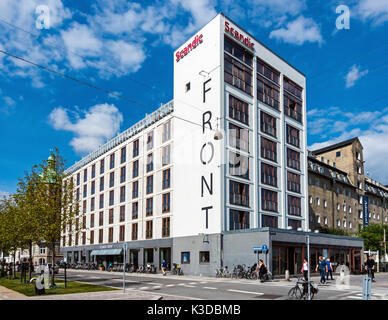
(232, 31)
(226, 26)
(185, 50)
(178, 56)
(197, 40)
(200, 38)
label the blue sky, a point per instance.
(127, 47)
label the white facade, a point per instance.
(200, 196)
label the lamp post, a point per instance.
(124, 257)
(308, 264)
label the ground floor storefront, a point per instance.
(137, 253)
(202, 254)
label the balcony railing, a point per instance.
(239, 199)
(270, 205)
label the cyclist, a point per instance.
(370, 267)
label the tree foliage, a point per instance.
(373, 236)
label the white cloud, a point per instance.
(375, 11)
(299, 31)
(91, 128)
(128, 56)
(353, 75)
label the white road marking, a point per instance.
(203, 282)
(186, 285)
(153, 283)
(193, 282)
(210, 288)
(170, 285)
(143, 288)
(241, 291)
(156, 287)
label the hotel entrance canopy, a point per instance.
(106, 252)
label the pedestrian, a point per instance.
(110, 266)
(9, 271)
(321, 266)
(305, 269)
(370, 267)
(262, 270)
(329, 269)
(164, 267)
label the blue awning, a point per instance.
(106, 252)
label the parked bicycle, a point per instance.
(177, 269)
(301, 293)
(223, 272)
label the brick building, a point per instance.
(338, 188)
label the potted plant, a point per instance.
(102, 267)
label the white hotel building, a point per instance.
(169, 190)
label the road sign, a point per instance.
(265, 248)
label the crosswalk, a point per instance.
(356, 295)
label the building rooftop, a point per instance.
(158, 114)
(334, 146)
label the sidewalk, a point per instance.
(8, 294)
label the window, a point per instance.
(238, 137)
(293, 182)
(294, 206)
(166, 179)
(91, 239)
(344, 207)
(166, 202)
(93, 187)
(338, 207)
(122, 174)
(122, 194)
(238, 220)
(187, 86)
(135, 169)
(166, 135)
(267, 124)
(267, 92)
(344, 223)
(150, 184)
(112, 161)
(238, 165)
(310, 199)
(84, 206)
(101, 201)
(149, 207)
(101, 218)
(92, 204)
(83, 238)
(325, 221)
(293, 159)
(111, 198)
(166, 227)
(78, 178)
(268, 149)
(102, 166)
(166, 155)
(318, 201)
(100, 235)
(85, 190)
(238, 110)
(238, 51)
(338, 154)
(93, 171)
(101, 183)
(294, 224)
(338, 223)
(110, 237)
(122, 233)
(77, 194)
(122, 213)
(318, 219)
(185, 257)
(92, 220)
(238, 193)
(85, 175)
(150, 162)
(293, 136)
(123, 156)
(134, 231)
(237, 74)
(135, 210)
(150, 140)
(111, 179)
(135, 189)
(111, 216)
(325, 203)
(204, 257)
(149, 229)
(350, 225)
(267, 71)
(269, 221)
(269, 174)
(84, 222)
(269, 200)
(135, 148)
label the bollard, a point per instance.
(366, 287)
(342, 276)
(287, 275)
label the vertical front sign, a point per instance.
(365, 209)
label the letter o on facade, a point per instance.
(212, 153)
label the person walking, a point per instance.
(305, 269)
(321, 266)
(329, 269)
(370, 267)
(164, 267)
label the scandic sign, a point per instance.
(192, 45)
(239, 36)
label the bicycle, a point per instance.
(297, 293)
(177, 270)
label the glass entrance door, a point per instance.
(165, 254)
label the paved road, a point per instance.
(192, 287)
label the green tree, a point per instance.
(373, 236)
